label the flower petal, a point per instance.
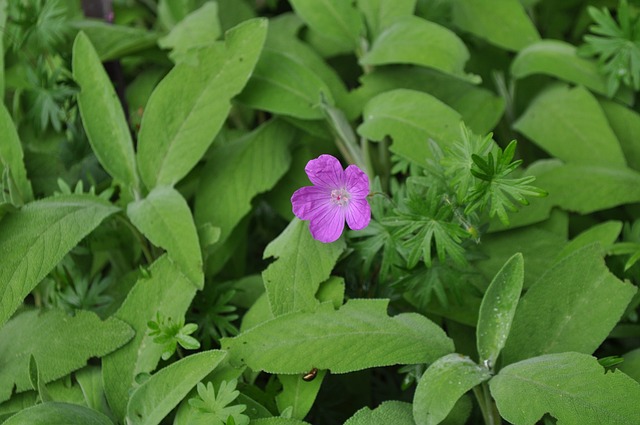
(326, 172)
(309, 201)
(328, 226)
(358, 214)
(356, 182)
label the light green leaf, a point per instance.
(497, 309)
(571, 387)
(573, 307)
(388, 412)
(298, 393)
(337, 20)
(102, 115)
(167, 291)
(154, 399)
(90, 381)
(189, 106)
(35, 238)
(56, 413)
(3, 22)
(302, 263)
(332, 290)
(410, 118)
(570, 125)
(278, 421)
(60, 344)
(501, 22)
(11, 154)
(442, 385)
(631, 364)
(604, 233)
(416, 41)
(358, 336)
(165, 219)
(380, 14)
(116, 41)
(625, 123)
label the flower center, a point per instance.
(340, 197)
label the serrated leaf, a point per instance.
(188, 107)
(416, 41)
(358, 336)
(302, 263)
(166, 291)
(573, 307)
(60, 344)
(570, 125)
(58, 413)
(380, 14)
(154, 399)
(35, 238)
(165, 219)
(571, 387)
(497, 309)
(442, 385)
(11, 154)
(503, 23)
(102, 115)
(410, 118)
(388, 412)
(298, 394)
(115, 41)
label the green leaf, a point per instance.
(604, 233)
(498, 308)
(3, 23)
(570, 125)
(336, 20)
(167, 291)
(573, 307)
(102, 115)
(278, 421)
(188, 107)
(298, 393)
(358, 336)
(332, 290)
(631, 364)
(380, 14)
(410, 118)
(35, 238)
(165, 219)
(442, 385)
(154, 399)
(60, 344)
(302, 264)
(416, 41)
(571, 387)
(388, 412)
(625, 123)
(116, 41)
(90, 380)
(11, 154)
(503, 23)
(54, 413)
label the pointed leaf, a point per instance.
(604, 233)
(380, 14)
(298, 394)
(571, 387)
(625, 123)
(358, 336)
(497, 309)
(58, 413)
(388, 412)
(11, 154)
(35, 238)
(115, 41)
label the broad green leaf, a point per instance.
(189, 106)
(625, 123)
(332, 290)
(605, 234)
(410, 118)
(503, 23)
(337, 20)
(56, 413)
(116, 41)
(298, 393)
(416, 41)
(102, 115)
(380, 14)
(11, 154)
(200, 28)
(460, 95)
(154, 399)
(571, 387)
(60, 344)
(358, 336)
(558, 59)
(631, 364)
(35, 238)
(570, 125)
(278, 421)
(497, 309)
(442, 385)
(165, 219)
(388, 412)
(167, 291)
(302, 263)
(573, 307)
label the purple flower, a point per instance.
(337, 195)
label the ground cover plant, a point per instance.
(319, 211)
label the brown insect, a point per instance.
(311, 375)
